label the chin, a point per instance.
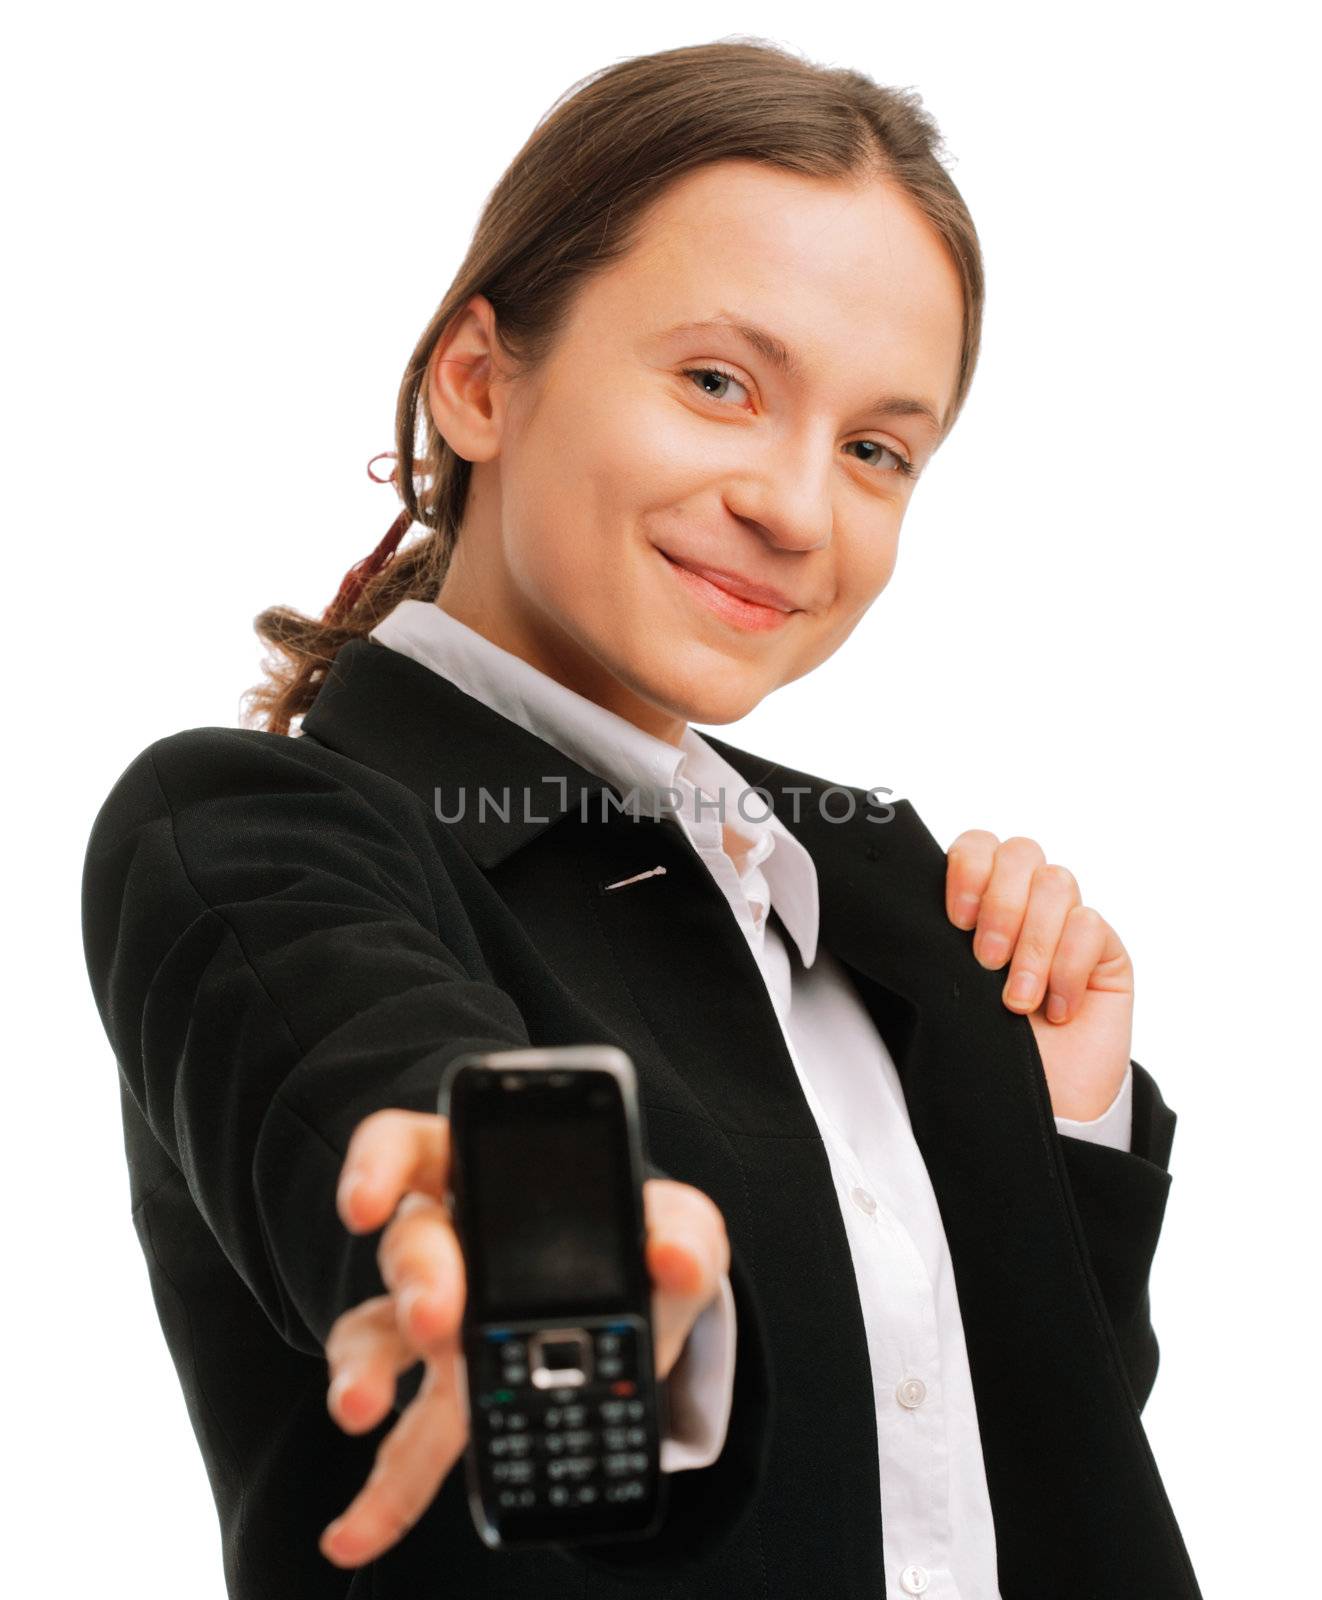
(714, 700)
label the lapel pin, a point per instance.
(652, 872)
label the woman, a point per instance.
(909, 1181)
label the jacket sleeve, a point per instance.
(272, 964)
(1121, 1199)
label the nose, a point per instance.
(786, 500)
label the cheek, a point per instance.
(596, 465)
(866, 565)
(637, 459)
(589, 513)
(862, 571)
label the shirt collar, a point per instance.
(627, 756)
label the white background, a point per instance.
(227, 227)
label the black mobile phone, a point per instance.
(565, 1412)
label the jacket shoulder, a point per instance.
(215, 751)
(212, 805)
(197, 764)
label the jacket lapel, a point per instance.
(494, 785)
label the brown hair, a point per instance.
(571, 202)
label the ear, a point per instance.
(465, 396)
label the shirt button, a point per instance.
(864, 1201)
(911, 1392)
(913, 1580)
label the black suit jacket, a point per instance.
(283, 936)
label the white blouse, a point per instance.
(937, 1529)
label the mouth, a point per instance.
(751, 607)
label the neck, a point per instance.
(559, 657)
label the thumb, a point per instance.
(687, 1250)
(681, 1266)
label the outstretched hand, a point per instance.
(396, 1175)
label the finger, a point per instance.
(1089, 955)
(1052, 891)
(423, 1267)
(365, 1353)
(687, 1244)
(1006, 897)
(411, 1465)
(968, 870)
(391, 1152)
(687, 1251)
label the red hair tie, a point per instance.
(351, 585)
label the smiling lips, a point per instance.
(748, 605)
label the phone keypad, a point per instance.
(563, 1447)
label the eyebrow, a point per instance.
(776, 351)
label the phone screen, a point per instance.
(549, 1201)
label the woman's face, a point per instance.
(646, 447)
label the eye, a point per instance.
(903, 467)
(712, 372)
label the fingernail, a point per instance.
(411, 1297)
(335, 1395)
(1056, 1008)
(966, 910)
(330, 1537)
(1022, 986)
(350, 1185)
(993, 949)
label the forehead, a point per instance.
(851, 275)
